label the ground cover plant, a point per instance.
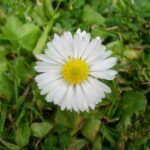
(120, 122)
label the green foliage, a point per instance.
(133, 102)
(40, 129)
(23, 134)
(93, 124)
(90, 16)
(18, 33)
(120, 122)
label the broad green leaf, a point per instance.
(24, 34)
(40, 129)
(78, 3)
(120, 5)
(50, 142)
(97, 144)
(71, 119)
(10, 146)
(23, 72)
(142, 8)
(5, 86)
(3, 116)
(131, 53)
(90, 16)
(116, 46)
(23, 134)
(91, 128)
(48, 8)
(103, 33)
(3, 64)
(106, 132)
(10, 29)
(78, 144)
(146, 58)
(38, 15)
(41, 43)
(133, 102)
(28, 35)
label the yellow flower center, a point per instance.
(75, 71)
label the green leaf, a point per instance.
(5, 86)
(133, 102)
(10, 29)
(24, 34)
(3, 116)
(38, 15)
(78, 3)
(10, 146)
(40, 129)
(23, 134)
(146, 58)
(106, 132)
(71, 119)
(50, 142)
(116, 46)
(78, 144)
(23, 72)
(120, 5)
(91, 128)
(48, 8)
(43, 39)
(90, 16)
(28, 35)
(131, 53)
(103, 33)
(97, 145)
(3, 65)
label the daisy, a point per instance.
(71, 69)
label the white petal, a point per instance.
(60, 93)
(47, 67)
(46, 64)
(56, 94)
(90, 48)
(54, 54)
(98, 56)
(83, 45)
(76, 45)
(83, 34)
(92, 96)
(40, 68)
(67, 43)
(69, 101)
(97, 86)
(46, 88)
(43, 57)
(46, 76)
(101, 87)
(54, 57)
(56, 43)
(80, 42)
(103, 64)
(81, 98)
(105, 87)
(104, 74)
(47, 80)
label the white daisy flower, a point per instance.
(70, 69)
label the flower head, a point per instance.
(70, 70)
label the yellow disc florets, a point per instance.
(75, 71)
